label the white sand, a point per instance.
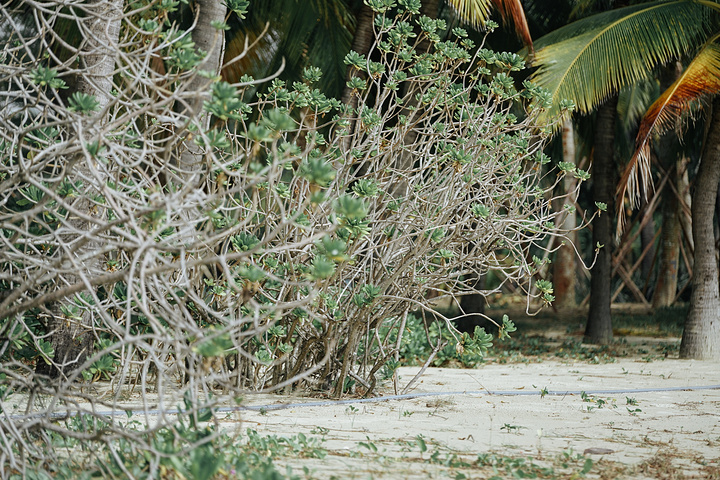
(684, 423)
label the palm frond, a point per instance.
(476, 13)
(633, 101)
(262, 47)
(700, 79)
(303, 33)
(592, 58)
(330, 42)
(513, 9)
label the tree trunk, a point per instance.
(684, 210)
(599, 324)
(666, 286)
(71, 337)
(668, 151)
(564, 267)
(701, 337)
(363, 39)
(474, 307)
(647, 239)
(211, 40)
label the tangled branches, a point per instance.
(154, 254)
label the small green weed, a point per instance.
(566, 465)
(597, 402)
(632, 402)
(447, 459)
(369, 445)
(320, 431)
(511, 428)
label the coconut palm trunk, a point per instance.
(211, 40)
(647, 241)
(71, 337)
(564, 267)
(685, 210)
(701, 337)
(666, 286)
(668, 154)
(599, 324)
(363, 39)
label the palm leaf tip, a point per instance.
(513, 10)
(473, 12)
(636, 179)
(699, 80)
(476, 13)
(635, 182)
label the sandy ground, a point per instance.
(668, 432)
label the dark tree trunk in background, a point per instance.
(474, 307)
(363, 39)
(647, 239)
(565, 264)
(668, 153)
(431, 8)
(701, 337)
(670, 237)
(599, 324)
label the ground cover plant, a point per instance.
(549, 336)
(172, 240)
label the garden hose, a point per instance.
(407, 396)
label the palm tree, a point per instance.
(599, 324)
(72, 341)
(701, 337)
(209, 39)
(591, 59)
(564, 266)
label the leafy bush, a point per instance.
(297, 236)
